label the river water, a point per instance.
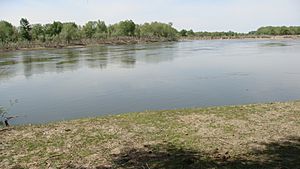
(61, 84)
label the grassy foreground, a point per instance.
(246, 136)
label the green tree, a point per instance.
(37, 32)
(190, 33)
(55, 28)
(25, 29)
(89, 29)
(157, 29)
(183, 32)
(278, 30)
(95, 29)
(52, 30)
(137, 31)
(125, 28)
(69, 32)
(101, 30)
(6, 32)
(284, 30)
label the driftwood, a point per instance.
(8, 118)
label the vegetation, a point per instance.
(157, 29)
(246, 136)
(7, 32)
(67, 33)
(260, 32)
(278, 30)
(59, 34)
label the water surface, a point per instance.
(63, 84)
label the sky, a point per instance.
(199, 15)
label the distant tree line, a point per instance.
(277, 30)
(67, 32)
(218, 34)
(268, 30)
(95, 30)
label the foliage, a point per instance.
(157, 29)
(37, 32)
(69, 32)
(217, 34)
(25, 29)
(123, 28)
(6, 31)
(53, 29)
(58, 32)
(183, 32)
(101, 29)
(278, 30)
(190, 33)
(89, 29)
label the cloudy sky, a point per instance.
(199, 15)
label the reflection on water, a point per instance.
(60, 60)
(61, 84)
(274, 44)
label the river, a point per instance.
(61, 84)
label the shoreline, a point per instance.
(263, 135)
(83, 43)
(247, 37)
(130, 40)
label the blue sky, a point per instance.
(199, 15)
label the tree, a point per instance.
(52, 30)
(278, 30)
(284, 30)
(137, 31)
(183, 32)
(69, 32)
(6, 31)
(125, 28)
(37, 32)
(89, 29)
(157, 29)
(56, 28)
(190, 33)
(101, 30)
(25, 29)
(95, 29)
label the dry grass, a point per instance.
(246, 136)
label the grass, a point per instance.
(245, 136)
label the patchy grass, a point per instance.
(246, 136)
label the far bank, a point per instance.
(19, 46)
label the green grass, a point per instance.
(245, 136)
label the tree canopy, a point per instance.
(70, 31)
(6, 31)
(278, 30)
(25, 29)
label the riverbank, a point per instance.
(23, 46)
(244, 37)
(245, 136)
(78, 44)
